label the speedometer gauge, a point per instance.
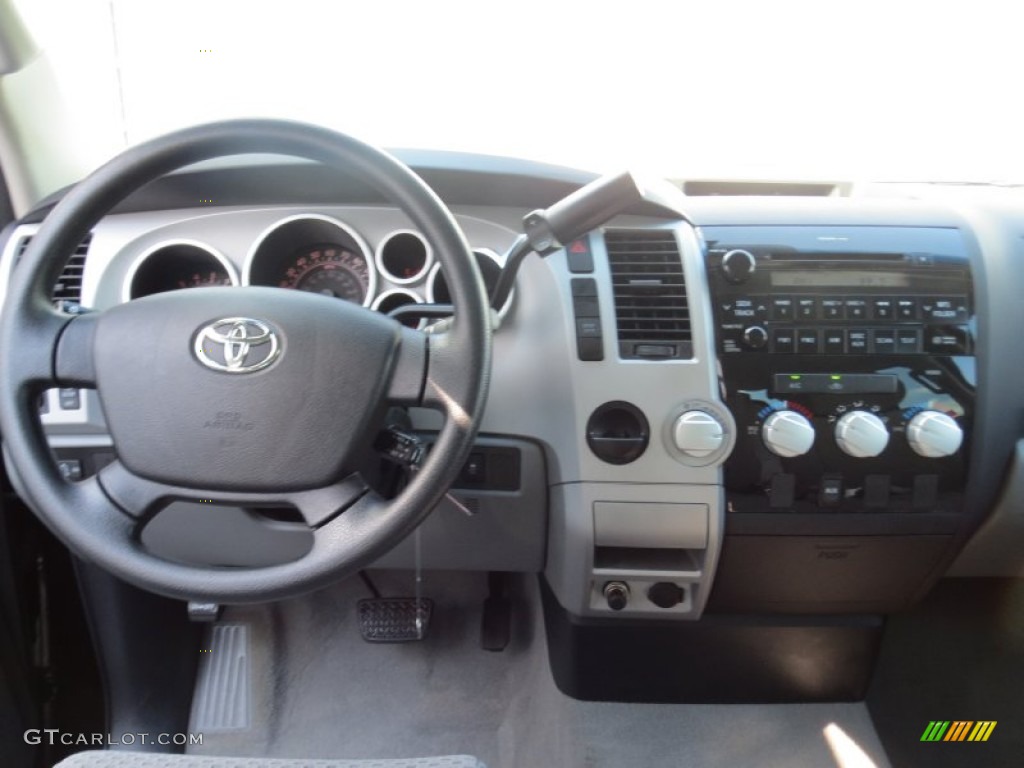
(329, 269)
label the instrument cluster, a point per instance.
(311, 252)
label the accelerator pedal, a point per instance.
(395, 619)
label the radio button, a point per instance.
(856, 309)
(784, 340)
(834, 341)
(884, 309)
(946, 340)
(747, 309)
(908, 341)
(857, 342)
(885, 341)
(782, 309)
(807, 341)
(807, 309)
(906, 309)
(944, 309)
(832, 309)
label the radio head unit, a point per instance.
(840, 290)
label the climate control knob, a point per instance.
(698, 434)
(787, 434)
(933, 434)
(738, 265)
(861, 434)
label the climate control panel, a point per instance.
(895, 450)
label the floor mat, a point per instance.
(319, 690)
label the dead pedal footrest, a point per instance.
(395, 619)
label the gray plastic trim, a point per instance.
(997, 547)
(642, 524)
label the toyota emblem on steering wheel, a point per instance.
(237, 345)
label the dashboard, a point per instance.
(723, 405)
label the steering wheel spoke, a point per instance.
(139, 498)
(444, 388)
(39, 335)
(410, 369)
(73, 362)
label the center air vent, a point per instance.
(651, 312)
(67, 292)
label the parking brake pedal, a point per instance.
(496, 624)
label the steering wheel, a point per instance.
(240, 396)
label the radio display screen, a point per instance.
(838, 278)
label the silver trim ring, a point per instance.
(428, 261)
(417, 299)
(129, 277)
(237, 337)
(486, 253)
(364, 249)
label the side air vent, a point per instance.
(651, 311)
(67, 292)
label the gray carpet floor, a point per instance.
(317, 690)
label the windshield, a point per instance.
(789, 90)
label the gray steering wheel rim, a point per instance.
(79, 514)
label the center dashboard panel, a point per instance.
(847, 356)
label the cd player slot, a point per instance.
(832, 257)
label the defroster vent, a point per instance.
(651, 310)
(67, 292)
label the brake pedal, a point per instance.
(395, 619)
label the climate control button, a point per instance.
(934, 435)
(861, 434)
(787, 434)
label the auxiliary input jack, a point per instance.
(616, 593)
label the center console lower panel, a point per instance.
(716, 660)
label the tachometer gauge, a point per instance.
(330, 270)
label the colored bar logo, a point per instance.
(958, 730)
